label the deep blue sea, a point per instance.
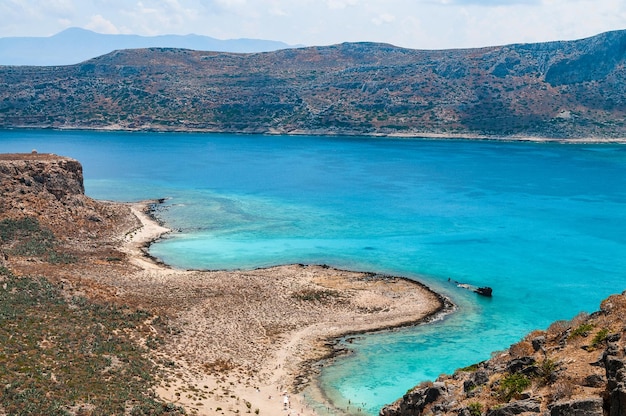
(543, 224)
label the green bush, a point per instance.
(546, 371)
(599, 338)
(582, 330)
(475, 409)
(512, 385)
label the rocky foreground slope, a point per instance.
(571, 89)
(575, 368)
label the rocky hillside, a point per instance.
(43, 195)
(571, 89)
(575, 368)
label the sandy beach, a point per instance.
(243, 341)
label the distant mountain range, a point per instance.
(565, 90)
(76, 45)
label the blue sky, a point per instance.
(419, 24)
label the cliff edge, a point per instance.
(50, 188)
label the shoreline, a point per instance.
(295, 133)
(294, 357)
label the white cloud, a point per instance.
(340, 4)
(384, 18)
(101, 25)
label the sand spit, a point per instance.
(240, 341)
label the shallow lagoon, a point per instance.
(543, 224)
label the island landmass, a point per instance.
(562, 90)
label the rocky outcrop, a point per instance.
(575, 368)
(583, 407)
(59, 176)
(49, 188)
(556, 89)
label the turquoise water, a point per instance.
(543, 224)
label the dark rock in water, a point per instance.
(484, 291)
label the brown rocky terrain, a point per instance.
(562, 90)
(575, 368)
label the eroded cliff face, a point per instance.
(574, 368)
(50, 188)
(60, 176)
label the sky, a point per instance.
(416, 24)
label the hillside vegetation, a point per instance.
(572, 89)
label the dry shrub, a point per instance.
(579, 319)
(557, 328)
(614, 304)
(221, 365)
(562, 390)
(521, 349)
(534, 334)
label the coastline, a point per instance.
(254, 374)
(333, 133)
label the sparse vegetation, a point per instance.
(316, 295)
(26, 237)
(546, 371)
(599, 337)
(582, 330)
(469, 368)
(58, 354)
(475, 409)
(512, 385)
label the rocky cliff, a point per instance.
(575, 368)
(569, 89)
(50, 188)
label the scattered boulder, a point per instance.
(516, 408)
(477, 378)
(518, 364)
(414, 402)
(594, 380)
(583, 407)
(538, 343)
